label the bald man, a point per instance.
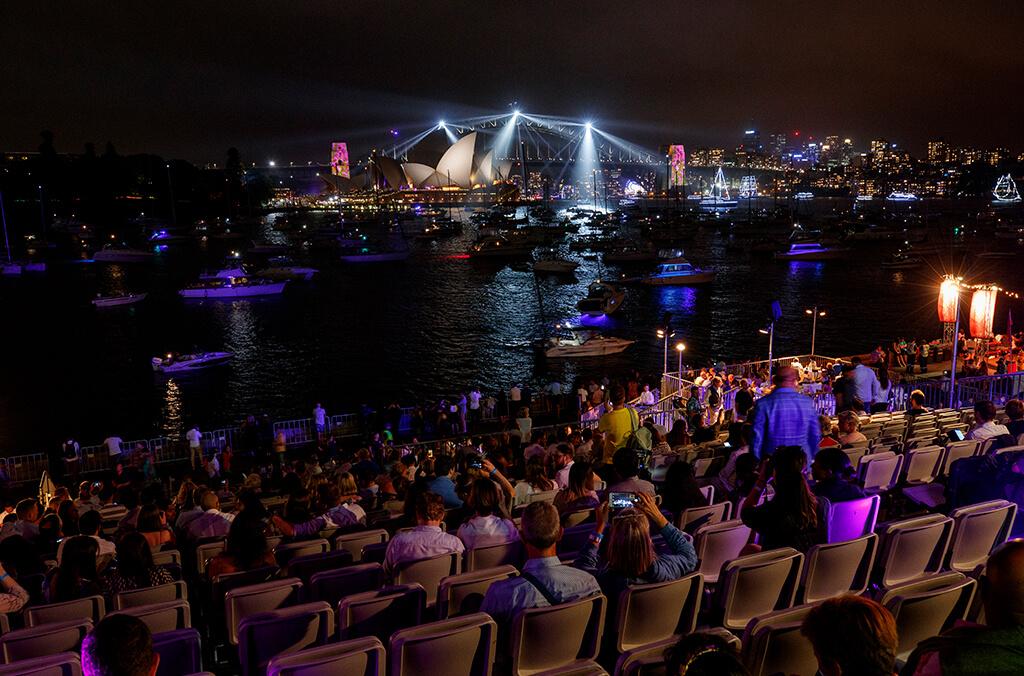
(785, 418)
(997, 647)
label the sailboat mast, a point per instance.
(3, 217)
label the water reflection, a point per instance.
(172, 422)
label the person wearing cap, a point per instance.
(832, 472)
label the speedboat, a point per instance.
(551, 263)
(394, 249)
(584, 344)
(117, 301)
(500, 247)
(120, 253)
(602, 299)
(173, 363)
(902, 260)
(811, 251)
(233, 287)
(678, 272)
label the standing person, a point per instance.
(911, 356)
(884, 391)
(474, 406)
(694, 408)
(714, 400)
(72, 456)
(866, 385)
(113, 444)
(743, 402)
(924, 353)
(195, 446)
(320, 419)
(620, 422)
(785, 418)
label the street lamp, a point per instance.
(665, 334)
(949, 310)
(770, 332)
(680, 348)
(815, 313)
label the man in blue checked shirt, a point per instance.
(785, 418)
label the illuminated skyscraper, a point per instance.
(879, 147)
(938, 152)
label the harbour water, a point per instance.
(431, 326)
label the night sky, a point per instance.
(283, 79)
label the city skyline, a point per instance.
(190, 81)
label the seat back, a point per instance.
(773, 644)
(286, 552)
(851, 519)
(549, 637)
(354, 542)
(464, 646)
(333, 585)
(717, 543)
(1010, 449)
(306, 566)
(541, 496)
(957, 451)
(977, 529)
(928, 607)
(180, 652)
(912, 548)
(576, 517)
(491, 556)
(279, 632)
(172, 591)
(61, 664)
(160, 617)
(575, 538)
(838, 568)
(205, 552)
(462, 594)
(758, 584)
(647, 659)
(923, 465)
(428, 573)
(693, 518)
(258, 598)
(880, 471)
(382, 612)
(93, 607)
(167, 557)
(44, 640)
(358, 657)
(656, 611)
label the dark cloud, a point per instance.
(191, 78)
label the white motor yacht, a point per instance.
(584, 344)
(121, 253)
(117, 301)
(174, 363)
(233, 287)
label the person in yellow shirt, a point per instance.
(618, 423)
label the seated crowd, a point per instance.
(532, 496)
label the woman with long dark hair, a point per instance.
(579, 494)
(135, 568)
(245, 549)
(75, 578)
(790, 518)
(680, 490)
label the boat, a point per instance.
(233, 287)
(500, 247)
(811, 251)
(584, 344)
(901, 196)
(718, 199)
(902, 260)
(631, 253)
(997, 254)
(678, 272)
(290, 272)
(266, 249)
(121, 253)
(1005, 191)
(393, 250)
(117, 301)
(802, 196)
(549, 262)
(183, 363)
(602, 299)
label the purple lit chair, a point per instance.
(44, 640)
(63, 664)
(574, 539)
(358, 657)
(305, 567)
(381, 613)
(263, 636)
(333, 585)
(850, 519)
(180, 652)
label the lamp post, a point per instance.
(949, 299)
(680, 348)
(665, 334)
(770, 332)
(815, 313)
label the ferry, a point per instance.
(117, 301)
(120, 253)
(811, 251)
(173, 363)
(233, 287)
(678, 272)
(602, 299)
(584, 344)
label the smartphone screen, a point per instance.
(621, 500)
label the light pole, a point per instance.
(815, 313)
(770, 332)
(680, 348)
(595, 189)
(665, 334)
(170, 190)
(949, 300)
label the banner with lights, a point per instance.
(676, 166)
(339, 160)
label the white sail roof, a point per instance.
(456, 164)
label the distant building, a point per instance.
(938, 152)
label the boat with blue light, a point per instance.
(811, 251)
(602, 299)
(678, 272)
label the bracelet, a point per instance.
(493, 472)
(595, 538)
(4, 577)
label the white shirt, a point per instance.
(474, 400)
(562, 476)
(646, 397)
(514, 394)
(194, 437)
(987, 431)
(113, 445)
(105, 548)
(320, 416)
(481, 531)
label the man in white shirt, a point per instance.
(647, 397)
(195, 446)
(865, 383)
(113, 444)
(515, 393)
(474, 405)
(320, 418)
(985, 426)
(564, 463)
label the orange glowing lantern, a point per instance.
(949, 293)
(983, 310)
